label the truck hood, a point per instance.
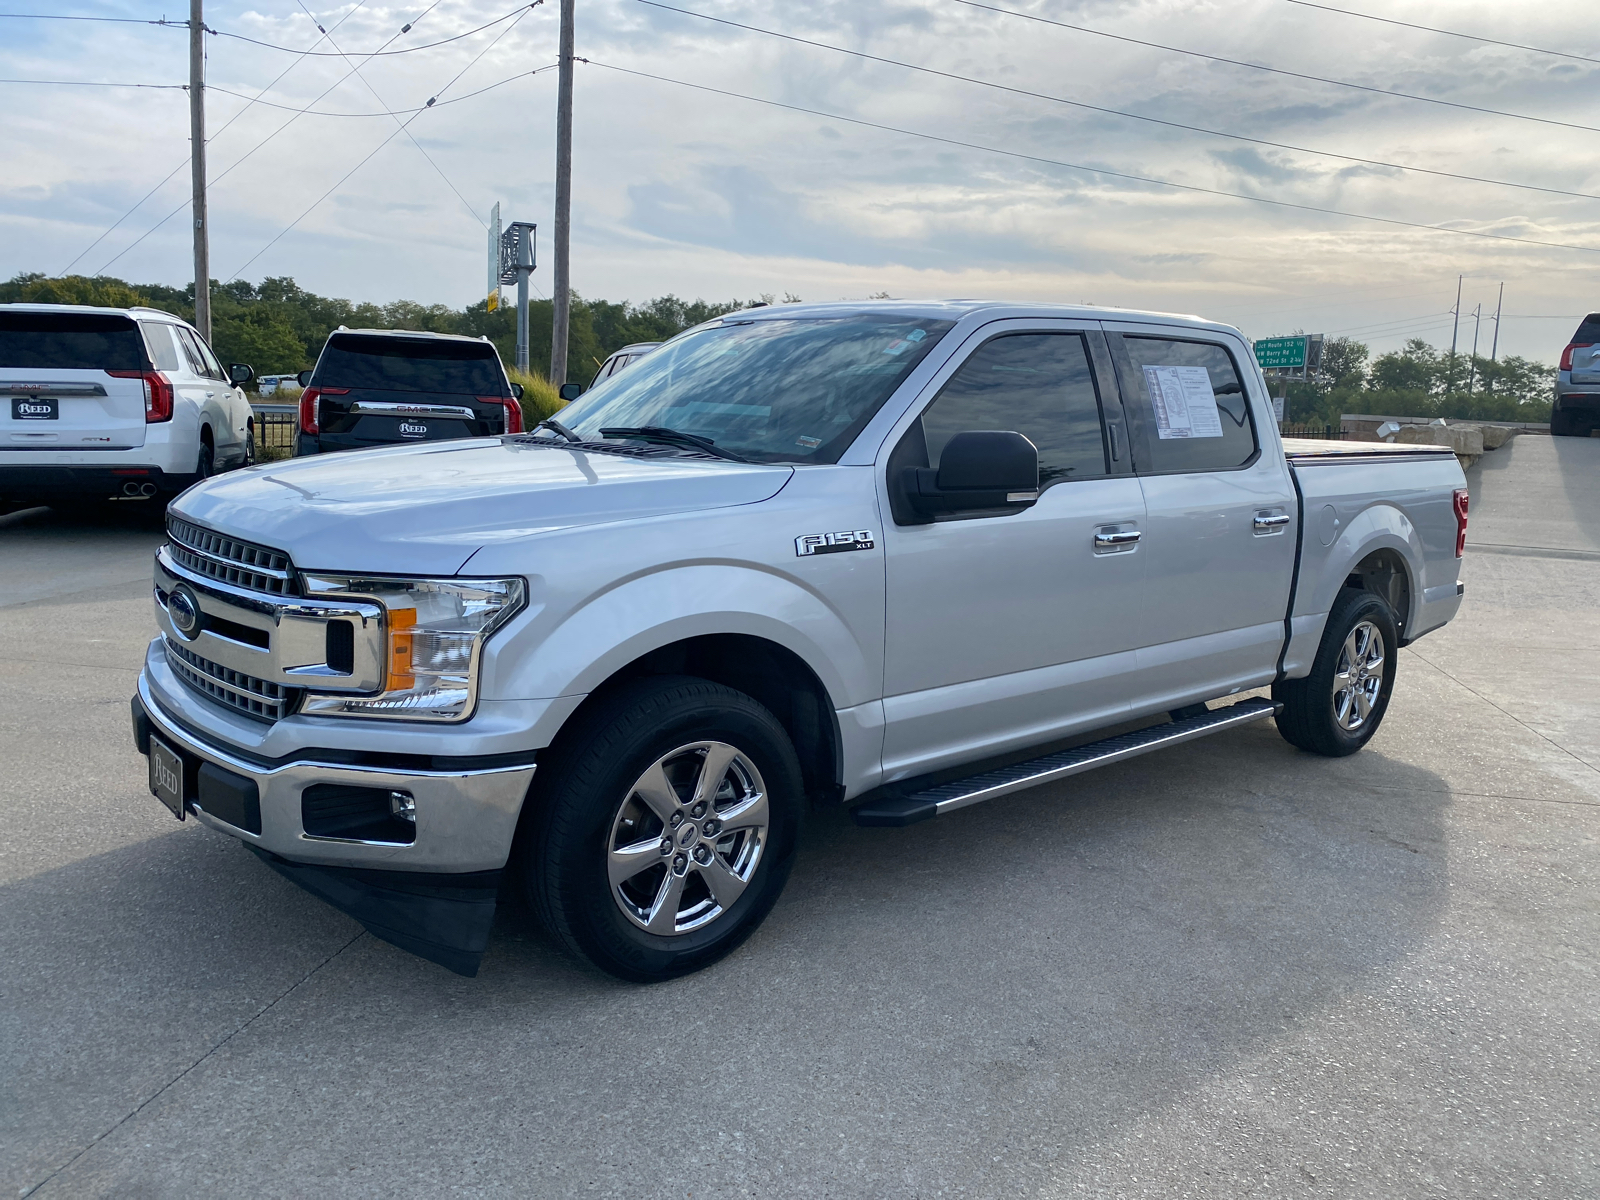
(426, 509)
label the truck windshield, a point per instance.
(769, 389)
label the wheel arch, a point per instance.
(772, 674)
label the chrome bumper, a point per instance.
(465, 819)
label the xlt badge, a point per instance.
(833, 543)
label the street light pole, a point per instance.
(561, 286)
(197, 168)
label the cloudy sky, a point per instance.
(682, 189)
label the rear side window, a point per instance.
(158, 340)
(1189, 400)
(70, 341)
(411, 365)
(1589, 332)
(1037, 384)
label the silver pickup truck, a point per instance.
(900, 556)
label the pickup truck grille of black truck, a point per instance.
(258, 697)
(229, 560)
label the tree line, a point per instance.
(279, 328)
(1420, 381)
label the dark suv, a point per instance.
(1577, 407)
(377, 387)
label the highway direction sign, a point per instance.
(1280, 353)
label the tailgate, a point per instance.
(57, 389)
(381, 417)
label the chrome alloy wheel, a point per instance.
(687, 838)
(1358, 676)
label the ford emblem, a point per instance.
(184, 610)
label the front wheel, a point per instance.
(664, 828)
(1337, 708)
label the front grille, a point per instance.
(244, 693)
(230, 560)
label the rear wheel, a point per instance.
(664, 828)
(1337, 708)
(206, 464)
(1563, 424)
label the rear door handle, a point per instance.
(1268, 522)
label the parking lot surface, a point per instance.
(1227, 969)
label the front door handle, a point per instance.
(1114, 540)
(1267, 522)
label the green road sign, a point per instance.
(1281, 352)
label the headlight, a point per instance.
(435, 630)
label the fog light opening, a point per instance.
(402, 805)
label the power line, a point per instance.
(238, 162)
(108, 20)
(412, 137)
(348, 55)
(380, 146)
(140, 203)
(177, 87)
(1471, 37)
(1053, 162)
(1116, 112)
(392, 112)
(1234, 62)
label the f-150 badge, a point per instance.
(833, 543)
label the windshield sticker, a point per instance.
(1184, 404)
(898, 346)
(810, 443)
(916, 335)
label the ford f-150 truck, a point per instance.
(901, 556)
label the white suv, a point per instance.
(113, 402)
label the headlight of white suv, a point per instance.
(435, 631)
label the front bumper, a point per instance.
(465, 818)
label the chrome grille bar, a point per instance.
(247, 694)
(230, 560)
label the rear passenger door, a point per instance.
(1010, 629)
(1220, 515)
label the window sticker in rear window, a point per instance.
(1184, 404)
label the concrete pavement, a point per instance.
(1229, 969)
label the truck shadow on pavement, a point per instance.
(1031, 974)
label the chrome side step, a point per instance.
(947, 797)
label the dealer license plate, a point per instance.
(166, 776)
(35, 408)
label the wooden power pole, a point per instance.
(197, 168)
(562, 285)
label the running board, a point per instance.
(947, 797)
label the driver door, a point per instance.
(1011, 629)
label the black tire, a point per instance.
(249, 444)
(206, 463)
(1563, 424)
(586, 805)
(1311, 712)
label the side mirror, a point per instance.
(240, 373)
(516, 390)
(977, 470)
(570, 391)
(305, 378)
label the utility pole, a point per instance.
(1450, 373)
(1494, 350)
(1477, 323)
(197, 168)
(561, 292)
